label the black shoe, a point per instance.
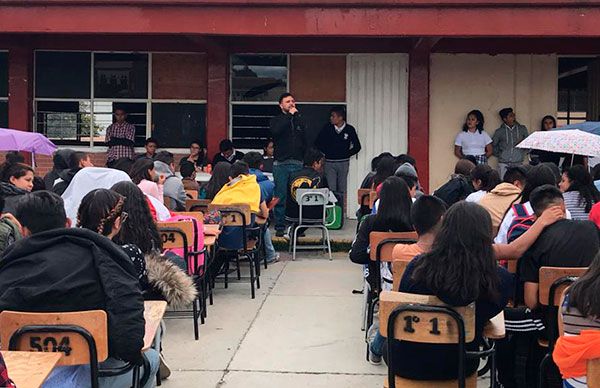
(279, 233)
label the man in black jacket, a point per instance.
(339, 142)
(288, 131)
(58, 269)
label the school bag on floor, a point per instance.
(335, 213)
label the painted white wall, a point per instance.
(462, 82)
(377, 98)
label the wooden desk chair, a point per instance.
(180, 235)
(382, 245)
(593, 373)
(192, 205)
(398, 268)
(373, 197)
(239, 215)
(364, 197)
(553, 281)
(425, 319)
(191, 194)
(81, 336)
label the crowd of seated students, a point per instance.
(457, 259)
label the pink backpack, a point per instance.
(193, 246)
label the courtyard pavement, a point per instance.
(301, 331)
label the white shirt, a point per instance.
(502, 237)
(339, 129)
(473, 143)
(476, 196)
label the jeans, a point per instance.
(79, 376)
(269, 248)
(281, 176)
(377, 342)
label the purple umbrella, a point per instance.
(13, 140)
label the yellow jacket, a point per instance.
(242, 190)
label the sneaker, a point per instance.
(163, 369)
(374, 359)
(274, 259)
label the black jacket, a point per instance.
(288, 133)
(61, 162)
(338, 146)
(220, 158)
(67, 177)
(72, 270)
(11, 194)
(307, 178)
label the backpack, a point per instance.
(9, 233)
(456, 189)
(521, 222)
(194, 246)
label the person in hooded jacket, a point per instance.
(16, 180)
(32, 274)
(60, 161)
(77, 161)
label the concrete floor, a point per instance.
(301, 331)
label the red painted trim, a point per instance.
(418, 111)
(570, 20)
(20, 76)
(217, 106)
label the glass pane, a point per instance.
(64, 121)
(121, 75)
(103, 117)
(62, 74)
(176, 125)
(258, 77)
(250, 124)
(3, 74)
(4, 114)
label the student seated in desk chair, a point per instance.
(33, 274)
(310, 177)
(241, 189)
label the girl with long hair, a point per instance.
(579, 192)
(538, 156)
(473, 140)
(459, 269)
(484, 179)
(220, 177)
(16, 180)
(101, 211)
(386, 167)
(142, 173)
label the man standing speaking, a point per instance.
(288, 132)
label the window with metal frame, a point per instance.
(76, 93)
(3, 89)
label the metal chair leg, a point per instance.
(295, 238)
(252, 280)
(195, 319)
(328, 243)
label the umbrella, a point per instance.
(13, 140)
(573, 142)
(587, 126)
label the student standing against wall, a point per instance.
(339, 142)
(473, 140)
(288, 131)
(506, 139)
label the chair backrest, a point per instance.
(77, 334)
(312, 197)
(372, 198)
(398, 268)
(425, 319)
(553, 281)
(197, 205)
(593, 373)
(364, 196)
(234, 214)
(382, 243)
(199, 216)
(191, 194)
(176, 235)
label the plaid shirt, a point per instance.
(123, 130)
(4, 380)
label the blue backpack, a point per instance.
(521, 223)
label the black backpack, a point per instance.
(456, 189)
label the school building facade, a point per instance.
(406, 71)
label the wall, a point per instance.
(462, 82)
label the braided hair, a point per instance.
(99, 209)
